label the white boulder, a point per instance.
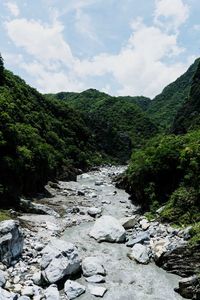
(108, 229)
(11, 241)
(52, 293)
(93, 211)
(73, 289)
(59, 258)
(92, 266)
(129, 222)
(140, 253)
(97, 291)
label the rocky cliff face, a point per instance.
(184, 261)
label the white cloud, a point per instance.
(52, 81)
(141, 67)
(171, 13)
(13, 8)
(84, 26)
(45, 42)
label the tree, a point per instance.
(1, 70)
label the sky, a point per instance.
(121, 47)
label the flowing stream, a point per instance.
(125, 279)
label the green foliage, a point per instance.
(118, 124)
(163, 108)
(167, 171)
(188, 116)
(39, 140)
(195, 234)
(4, 215)
(1, 70)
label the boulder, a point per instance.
(94, 211)
(5, 295)
(182, 260)
(97, 291)
(189, 287)
(59, 258)
(95, 279)
(52, 293)
(140, 253)
(73, 289)
(140, 238)
(144, 223)
(159, 247)
(92, 266)
(36, 208)
(108, 229)
(11, 241)
(2, 279)
(129, 222)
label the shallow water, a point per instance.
(125, 279)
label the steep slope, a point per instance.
(105, 114)
(39, 140)
(164, 107)
(188, 116)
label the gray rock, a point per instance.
(140, 238)
(11, 241)
(59, 258)
(37, 278)
(98, 183)
(109, 229)
(97, 291)
(52, 293)
(73, 289)
(95, 279)
(144, 223)
(159, 247)
(2, 279)
(5, 295)
(24, 298)
(28, 291)
(189, 287)
(92, 266)
(93, 211)
(129, 222)
(140, 253)
(36, 208)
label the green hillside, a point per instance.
(188, 116)
(164, 107)
(40, 139)
(167, 170)
(106, 115)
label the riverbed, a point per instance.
(125, 279)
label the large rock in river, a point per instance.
(11, 241)
(108, 229)
(140, 253)
(59, 258)
(92, 266)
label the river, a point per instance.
(125, 279)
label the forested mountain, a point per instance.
(163, 108)
(40, 139)
(106, 115)
(167, 170)
(188, 116)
